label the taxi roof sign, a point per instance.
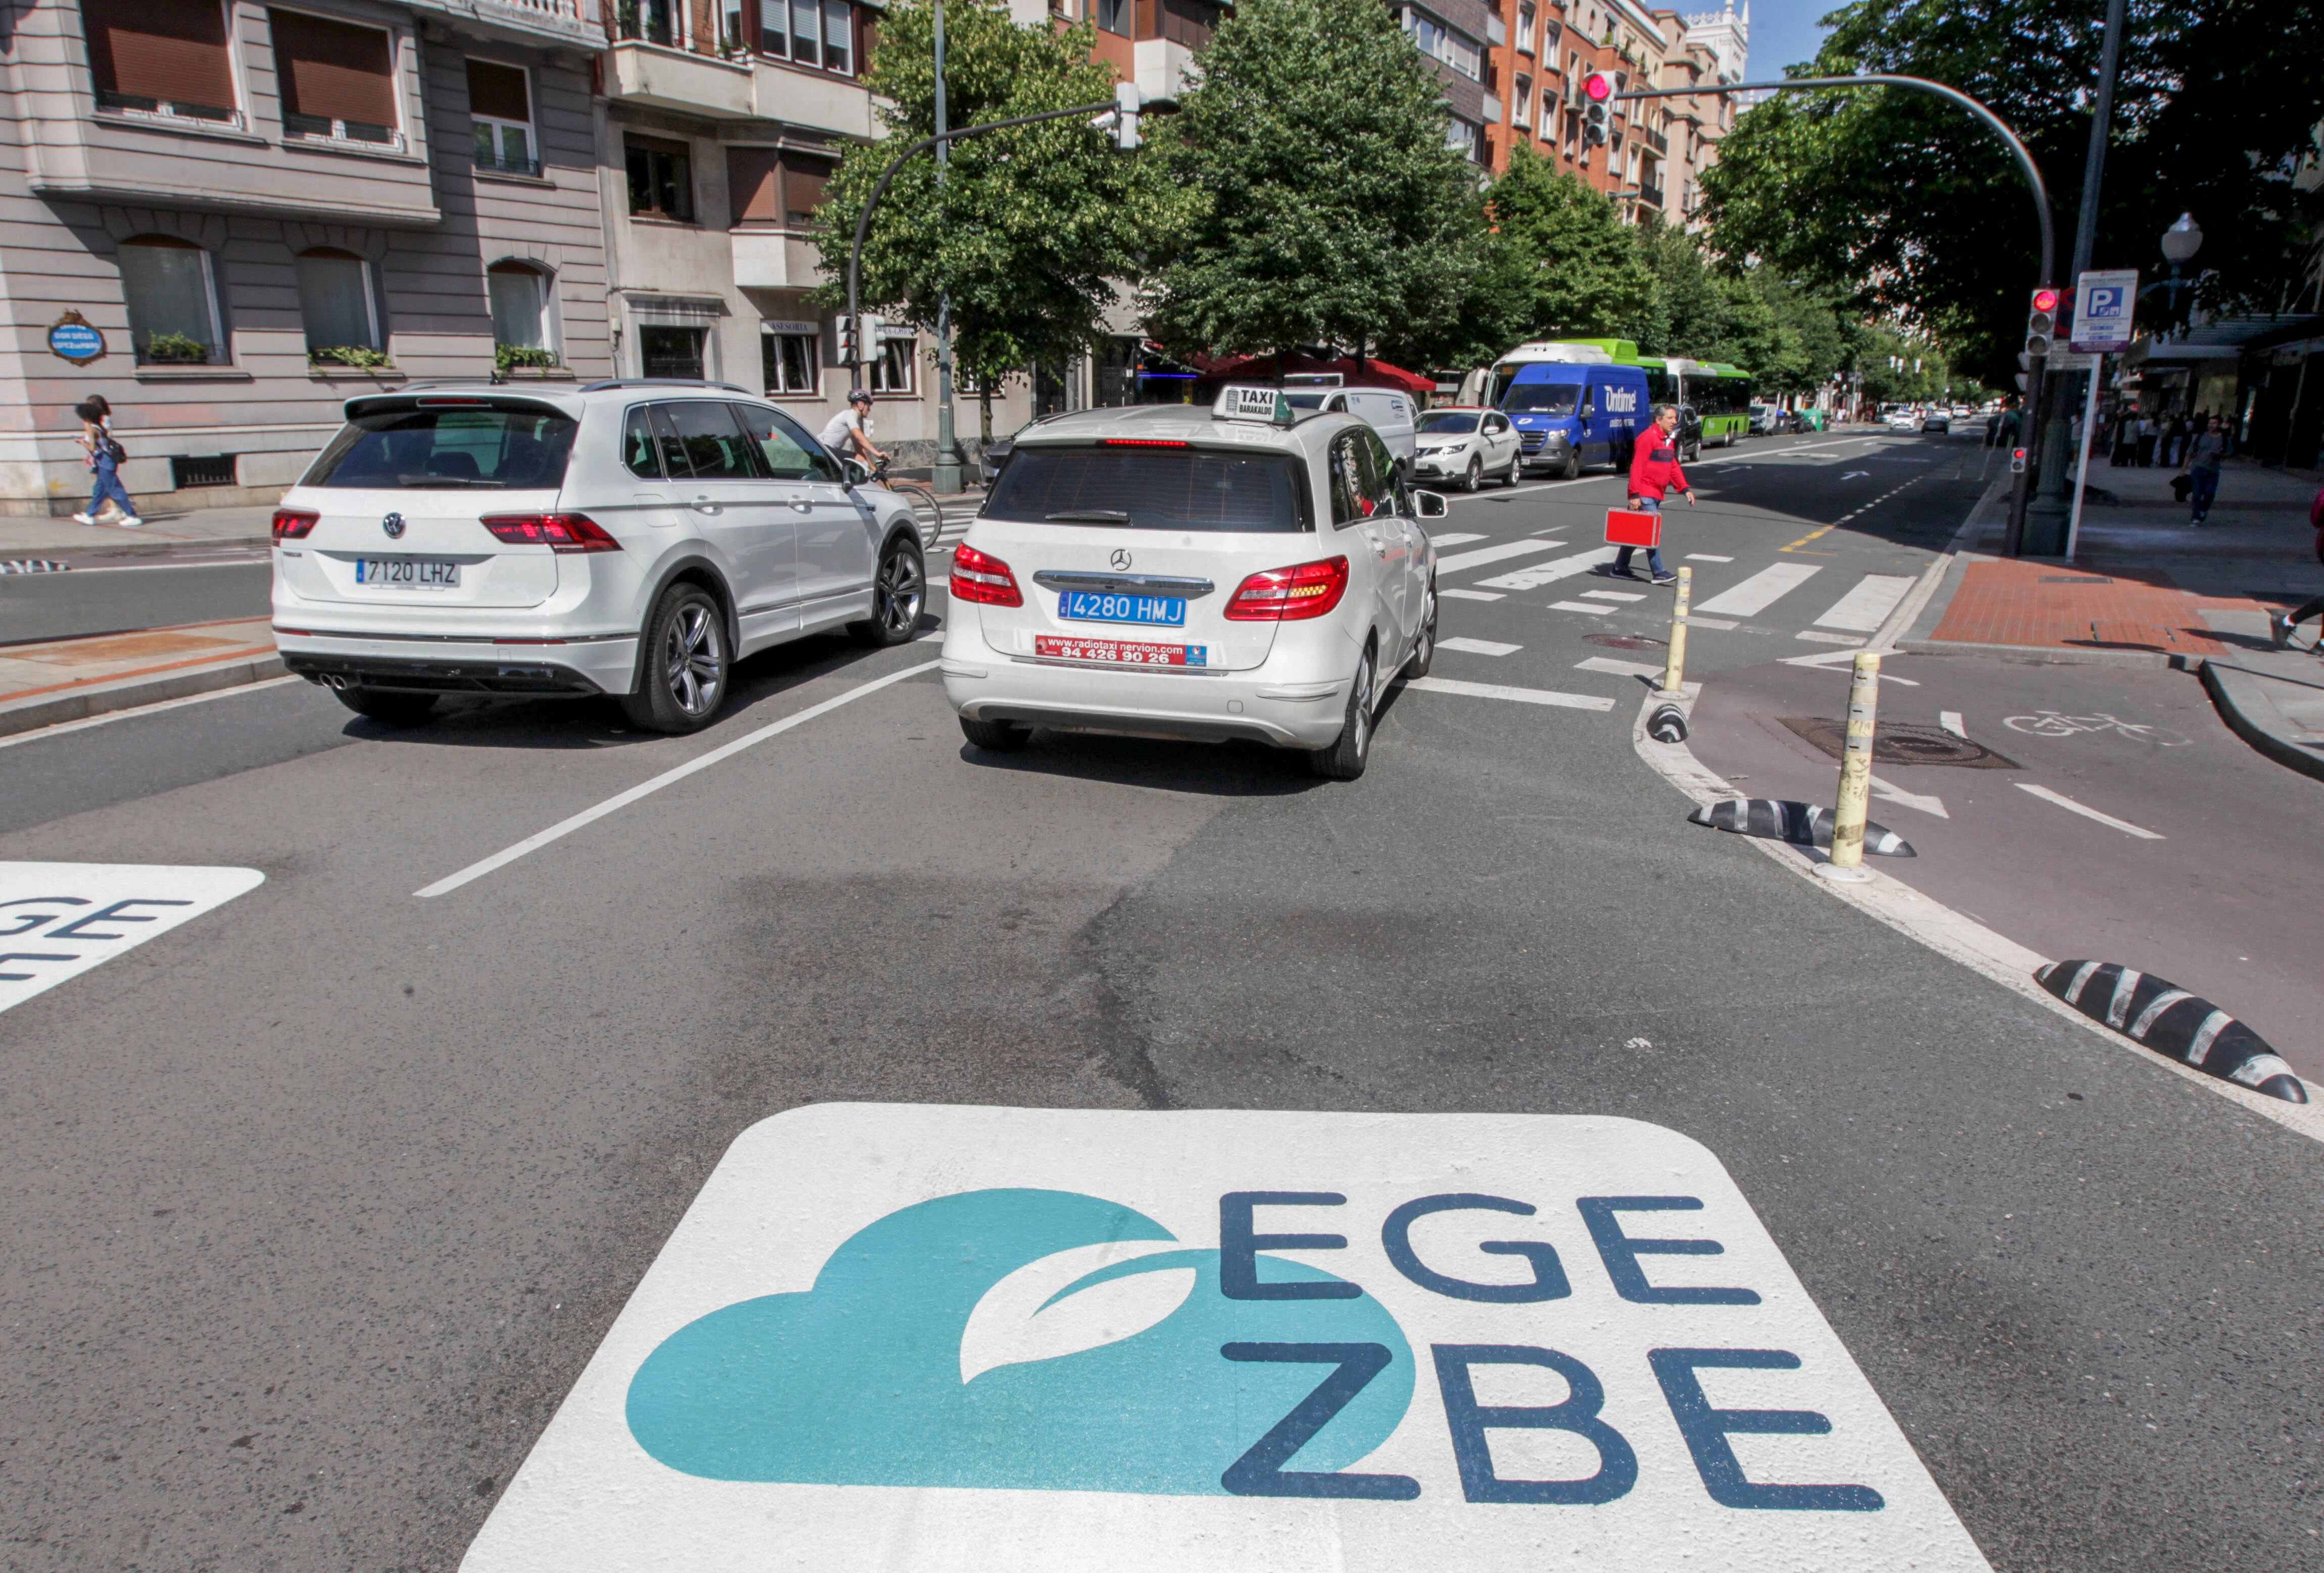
(1271, 405)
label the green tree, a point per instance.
(1033, 224)
(1913, 210)
(1582, 271)
(1328, 207)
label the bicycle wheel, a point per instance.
(926, 510)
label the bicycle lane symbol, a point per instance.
(2052, 723)
(60, 920)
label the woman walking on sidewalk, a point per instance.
(104, 457)
(2203, 466)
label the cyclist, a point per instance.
(848, 434)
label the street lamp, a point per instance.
(2180, 242)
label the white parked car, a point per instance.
(1248, 571)
(1390, 413)
(1465, 445)
(1902, 420)
(631, 538)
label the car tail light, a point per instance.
(980, 578)
(559, 532)
(1289, 594)
(295, 523)
(1142, 442)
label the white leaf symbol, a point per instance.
(1015, 1323)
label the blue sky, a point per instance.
(1784, 32)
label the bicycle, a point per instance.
(2052, 723)
(927, 511)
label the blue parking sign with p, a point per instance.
(2104, 305)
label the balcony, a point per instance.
(1657, 143)
(817, 100)
(774, 259)
(574, 24)
(662, 78)
(1162, 66)
(1652, 194)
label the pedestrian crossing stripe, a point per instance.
(1235, 1340)
(1760, 591)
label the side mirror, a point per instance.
(1431, 505)
(858, 472)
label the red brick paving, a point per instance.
(2006, 603)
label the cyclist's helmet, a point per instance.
(859, 396)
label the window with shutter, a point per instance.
(753, 186)
(335, 301)
(520, 301)
(172, 299)
(160, 57)
(500, 104)
(337, 81)
(805, 177)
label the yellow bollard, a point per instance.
(1674, 669)
(1855, 775)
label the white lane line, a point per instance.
(1950, 720)
(1618, 669)
(110, 716)
(1536, 574)
(620, 800)
(1721, 622)
(1612, 596)
(1865, 608)
(2063, 801)
(1477, 647)
(1470, 594)
(1761, 590)
(1458, 538)
(1707, 557)
(1596, 608)
(1827, 638)
(1521, 695)
(1483, 554)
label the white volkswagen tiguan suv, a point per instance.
(632, 538)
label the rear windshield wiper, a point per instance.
(1090, 516)
(424, 481)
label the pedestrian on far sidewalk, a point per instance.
(2174, 438)
(104, 455)
(2202, 468)
(1654, 473)
(2146, 435)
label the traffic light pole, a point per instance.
(854, 361)
(2031, 406)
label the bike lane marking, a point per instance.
(59, 920)
(954, 1337)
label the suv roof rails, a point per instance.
(664, 382)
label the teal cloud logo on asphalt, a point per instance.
(1029, 1339)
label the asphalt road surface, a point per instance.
(320, 1203)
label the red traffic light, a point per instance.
(1598, 86)
(2045, 301)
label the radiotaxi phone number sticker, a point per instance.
(57, 920)
(1054, 1341)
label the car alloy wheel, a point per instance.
(900, 589)
(1474, 480)
(694, 659)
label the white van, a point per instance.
(1391, 414)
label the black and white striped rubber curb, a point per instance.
(34, 565)
(2168, 1019)
(1803, 825)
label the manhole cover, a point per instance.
(1625, 641)
(1900, 744)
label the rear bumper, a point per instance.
(1272, 707)
(446, 667)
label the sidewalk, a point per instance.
(33, 536)
(2146, 590)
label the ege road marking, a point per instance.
(565, 827)
(64, 918)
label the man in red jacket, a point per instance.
(1654, 472)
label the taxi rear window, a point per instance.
(1139, 487)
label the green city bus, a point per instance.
(1714, 399)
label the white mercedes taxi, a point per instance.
(1250, 570)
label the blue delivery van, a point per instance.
(1572, 413)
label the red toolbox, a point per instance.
(1628, 527)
